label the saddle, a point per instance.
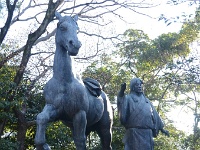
(93, 86)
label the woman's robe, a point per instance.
(141, 121)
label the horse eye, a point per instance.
(63, 28)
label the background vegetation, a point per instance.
(168, 65)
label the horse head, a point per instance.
(66, 34)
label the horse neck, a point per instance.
(62, 67)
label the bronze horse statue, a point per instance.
(83, 107)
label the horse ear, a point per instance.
(58, 15)
(75, 17)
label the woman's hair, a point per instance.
(133, 82)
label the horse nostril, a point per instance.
(71, 42)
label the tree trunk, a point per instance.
(22, 123)
(2, 125)
(21, 130)
(50, 13)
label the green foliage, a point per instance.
(59, 136)
(118, 77)
(118, 133)
(12, 97)
(93, 142)
(6, 87)
(192, 142)
(164, 66)
(142, 54)
(8, 144)
(107, 72)
(174, 142)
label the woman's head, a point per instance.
(136, 85)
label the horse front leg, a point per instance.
(48, 114)
(79, 127)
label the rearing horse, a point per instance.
(67, 97)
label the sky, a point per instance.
(183, 119)
(152, 26)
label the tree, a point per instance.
(23, 97)
(188, 86)
(22, 123)
(186, 76)
(165, 66)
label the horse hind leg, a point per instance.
(104, 126)
(106, 138)
(79, 127)
(48, 114)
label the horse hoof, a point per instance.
(43, 147)
(46, 147)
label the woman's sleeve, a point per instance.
(122, 108)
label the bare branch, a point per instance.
(34, 17)
(34, 36)
(16, 18)
(105, 38)
(7, 58)
(11, 9)
(48, 36)
(41, 75)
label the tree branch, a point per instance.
(11, 9)
(34, 36)
(7, 58)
